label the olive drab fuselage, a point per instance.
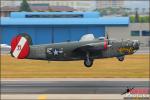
(67, 51)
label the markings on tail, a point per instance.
(20, 47)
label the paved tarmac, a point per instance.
(69, 87)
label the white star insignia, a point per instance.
(55, 52)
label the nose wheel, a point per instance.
(88, 62)
(120, 58)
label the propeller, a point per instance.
(122, 41)
(136, 44)
(107, 37)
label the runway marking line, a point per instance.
(42, 97)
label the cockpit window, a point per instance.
(101, 38)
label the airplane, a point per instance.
(87, 49)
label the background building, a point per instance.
(52, 27)
(135, 31)
(6, 10)
(79, 5)
(139, 31)
(109, 3)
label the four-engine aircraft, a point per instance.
(87, 49)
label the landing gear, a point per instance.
(120, 58)
(88, 62)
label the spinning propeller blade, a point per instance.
(107, 37)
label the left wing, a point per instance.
(92, 47)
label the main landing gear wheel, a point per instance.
(120, 58)
(88, 62)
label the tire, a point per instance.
(121, 58)
(88, 63)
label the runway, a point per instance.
(69, 87)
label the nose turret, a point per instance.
(136, 44)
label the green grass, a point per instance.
(134, 66)
(142, 19)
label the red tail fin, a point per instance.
(20, 47)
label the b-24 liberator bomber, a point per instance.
(87, 49)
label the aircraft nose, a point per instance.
(136, 44)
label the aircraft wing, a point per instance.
(91, 47)
(84, 48)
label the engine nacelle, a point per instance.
(102, 45)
